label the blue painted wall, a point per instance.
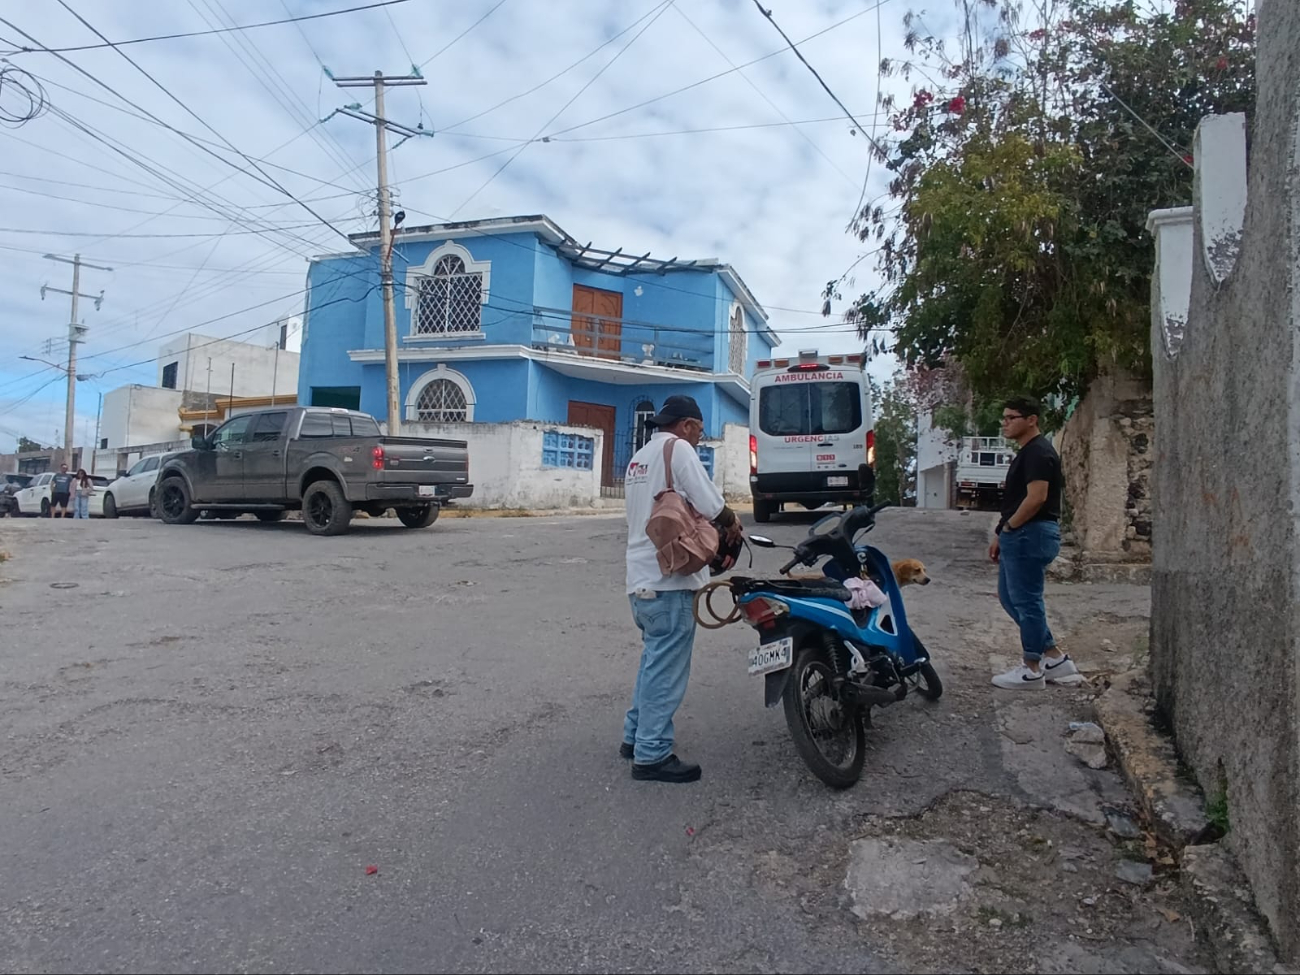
(682, 312)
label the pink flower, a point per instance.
(957, 105)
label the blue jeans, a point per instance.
(667, 625)
(1026, 552)
(80, 507)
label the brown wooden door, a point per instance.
(598, 321)
(602, 418)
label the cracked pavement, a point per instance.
(205, 744)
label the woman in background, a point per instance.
(83, 488)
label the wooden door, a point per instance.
(602, 418)
(598, 321)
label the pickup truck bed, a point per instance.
(326, 462)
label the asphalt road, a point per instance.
(207, 741)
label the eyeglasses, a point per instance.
(1008, 417)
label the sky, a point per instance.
(757, 167)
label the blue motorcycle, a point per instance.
(831, 664)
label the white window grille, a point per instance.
(736, 350)
(441, 401)
(450, 299)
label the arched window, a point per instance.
(441, 395)
(640, 432)
(446, 294)
(736, 350)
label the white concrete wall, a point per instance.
(933, 448)
(259, 369)
(932, 487)
(731, 462)
(505, 465)
(140, 415)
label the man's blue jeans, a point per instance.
(1025, 554)
(667, 625)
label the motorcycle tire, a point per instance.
(811, 667)
(926, 681)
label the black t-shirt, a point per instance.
(61, 483)
(1036, 461)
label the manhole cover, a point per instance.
(64, 585)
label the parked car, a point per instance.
(133, 492)
(34, 500)
(13, 483)
(326, 462)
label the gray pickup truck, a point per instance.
(326, 462)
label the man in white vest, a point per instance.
(662, 606)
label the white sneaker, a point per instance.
(1060, 667)
(1020, 678)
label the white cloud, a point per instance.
(762, 199)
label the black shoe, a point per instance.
(671, 769)
(625, 750)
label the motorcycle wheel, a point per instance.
(828, 735)
(925, 681)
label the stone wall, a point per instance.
(1225, 595)
(1106, 452)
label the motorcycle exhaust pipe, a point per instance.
(867, 695)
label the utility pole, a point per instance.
(382, 125)
(76, 335)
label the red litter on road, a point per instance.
(371, 870)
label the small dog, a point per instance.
(910, 572)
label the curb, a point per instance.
(1174, 807)
(1226, 919)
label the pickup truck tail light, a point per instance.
(377, 458)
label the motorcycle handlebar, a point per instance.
(785, 569)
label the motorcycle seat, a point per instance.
(808, 588)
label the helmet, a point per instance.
(728, 554)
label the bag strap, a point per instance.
(668, 461)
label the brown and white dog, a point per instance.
(910, 572)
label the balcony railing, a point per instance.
(622, 340)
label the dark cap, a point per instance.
(676, 408)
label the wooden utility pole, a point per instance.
(383, 125)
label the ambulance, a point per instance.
(811, 436)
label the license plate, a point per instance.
(428, 490)
(837, 482)
(767, 657)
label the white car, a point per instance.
(34, 500)
(132, 493)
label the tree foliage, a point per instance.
(1024, 169)
(28, 446)
(895, 428)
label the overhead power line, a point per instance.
(821, 81)
(206, 33)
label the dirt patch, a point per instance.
(1045, 895)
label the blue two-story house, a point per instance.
(513, 319)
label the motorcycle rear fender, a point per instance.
(774, 683)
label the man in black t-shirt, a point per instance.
(60, 491)
(1027, 539)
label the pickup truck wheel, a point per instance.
(110, 506)
(421, 517)
(174, 504)
(763, 511)
(270, 515)
(325, 511)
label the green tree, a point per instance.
(1024, 169)
(27, 446)
(895, 444)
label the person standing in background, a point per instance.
(82, 491)
(60, 492)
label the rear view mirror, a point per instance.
(762, 541)
(200, 443)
